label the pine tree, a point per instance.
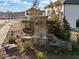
(66, 29)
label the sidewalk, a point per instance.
(3, 33)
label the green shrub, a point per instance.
(22, 40)
(12, 40)
(26, 46)
(60, 31)
(41, 55)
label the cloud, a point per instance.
(43, 3)
(27, 5)
(14, 1)
(22, 4)
(2, 4)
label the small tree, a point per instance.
(66, 24)
(54, 28)
(60, 31)
(66, 29)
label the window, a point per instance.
(77, 23)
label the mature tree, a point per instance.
(66, 29)
(56, 13)
(59, 26)
(58, 6)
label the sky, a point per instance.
(20, 5)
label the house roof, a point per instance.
(30, 9)
(71, 2)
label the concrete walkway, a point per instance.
(3, 33)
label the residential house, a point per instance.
(30, 11)
(71, 11)
(18, 15)
(12, 15)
